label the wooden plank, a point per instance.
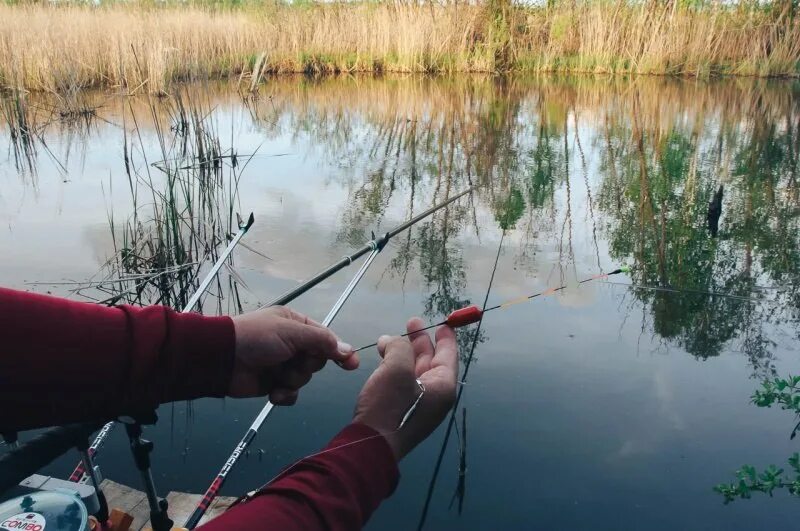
(132, 501)
(181, 504)
(218, 506)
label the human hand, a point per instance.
(392, 388)
(277, 351)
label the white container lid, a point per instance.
(44, 511)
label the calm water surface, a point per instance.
(602, 407)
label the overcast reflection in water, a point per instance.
(601, 407)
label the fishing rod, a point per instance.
(19, 463)
(219, 480)
(80, 470)
(374, 247)
(369, 246)
(472, 313)
(463, 380)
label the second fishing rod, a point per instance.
(83, 468)
(373, 247)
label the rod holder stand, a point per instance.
(141, 450)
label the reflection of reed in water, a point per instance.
(30, 121)
(18, 121)
(461, 485)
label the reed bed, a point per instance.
(183, 209)
(142, 47)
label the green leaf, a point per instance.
(794, 460)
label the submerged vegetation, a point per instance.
(146, 47)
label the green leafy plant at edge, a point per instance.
(786, 394)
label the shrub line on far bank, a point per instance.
(141, 47)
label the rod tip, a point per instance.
(250, 221)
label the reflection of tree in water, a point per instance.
(424, 133)
(664, 149)
(442, 268)
(365, 210)
(657, 188)
(544, 172)
(440, 152)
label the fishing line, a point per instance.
(450, 424)
(472, 314)
(691, 291)
(250, 495)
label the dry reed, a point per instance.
(141, 47)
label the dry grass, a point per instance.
(141, 47)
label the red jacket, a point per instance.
(146, 356)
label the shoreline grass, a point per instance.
(143, 47)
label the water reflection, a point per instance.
(658, 188)
(660, 154)
(694, 185)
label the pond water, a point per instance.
(600, 407)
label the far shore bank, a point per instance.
(143, 47)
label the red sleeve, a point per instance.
(64, 361)
(335, 490)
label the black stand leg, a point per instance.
(141, 450)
